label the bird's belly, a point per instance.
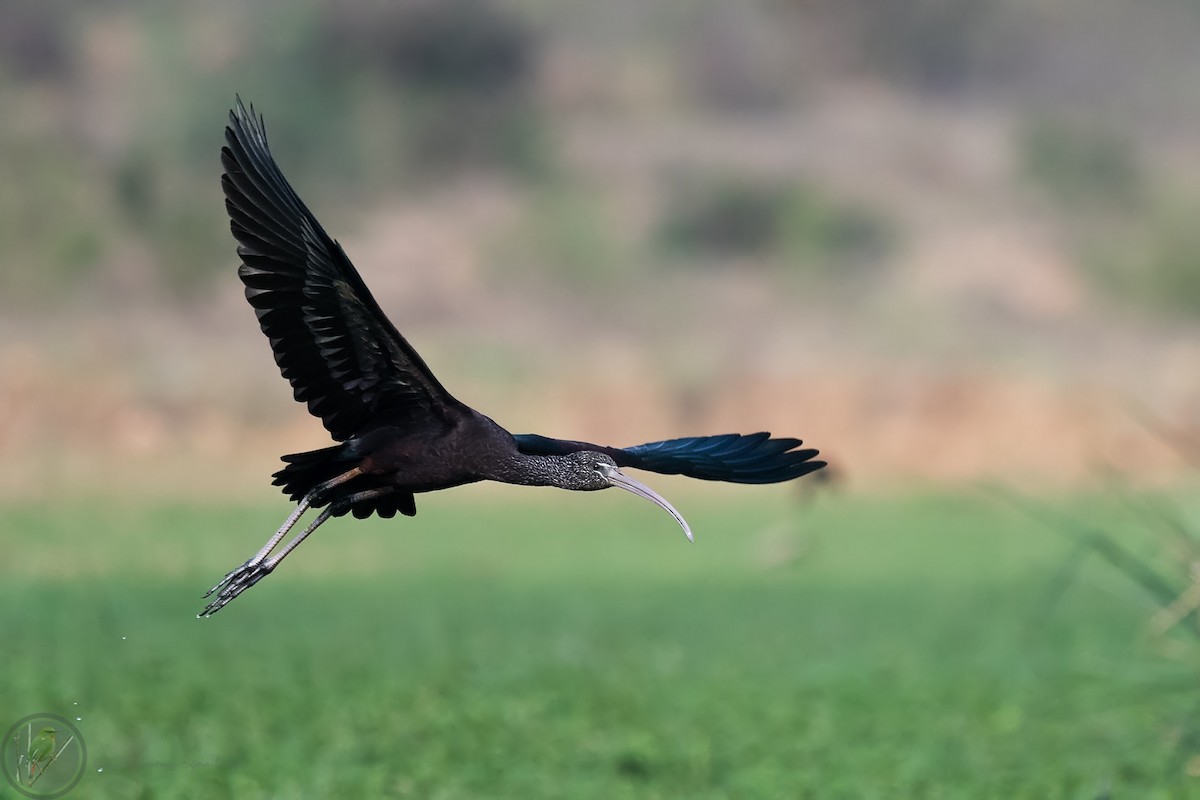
(417, 467)
(433, 486)
(425, 476)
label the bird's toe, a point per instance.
(233, 584)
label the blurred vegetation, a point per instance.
(861, 647)
(731, 215)
(114, 111)
(430, 89)
(1137, 239)
(465, 70)
(738, 59)
(1082, 166)
(932, 44)
(1154, 543)
(1153, 260)
(566, 233)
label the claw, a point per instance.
(225, 580)
(234, 584)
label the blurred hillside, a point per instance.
(937, 240)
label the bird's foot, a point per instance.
(234, 583)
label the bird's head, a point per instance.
(48, 731)
(592, 471)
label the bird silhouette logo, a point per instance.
(43, 756)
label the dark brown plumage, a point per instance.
(399, 431)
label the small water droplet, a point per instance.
(79, 719)
(101, 769)
(123, 638)
(75, 703)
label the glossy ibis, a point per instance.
(398, 431)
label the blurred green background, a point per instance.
(952, 245)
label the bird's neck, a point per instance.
(528, 470)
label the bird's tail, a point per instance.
(306, 470)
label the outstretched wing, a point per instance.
(731, 457)
(342, 356)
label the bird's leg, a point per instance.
(314, 495)
(251, 574)
(338, 505)
(297, 512)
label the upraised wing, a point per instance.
(730, 457)
(342, 356)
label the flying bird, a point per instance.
(398, 432)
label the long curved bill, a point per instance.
(617, 478)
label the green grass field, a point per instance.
(536, 644)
